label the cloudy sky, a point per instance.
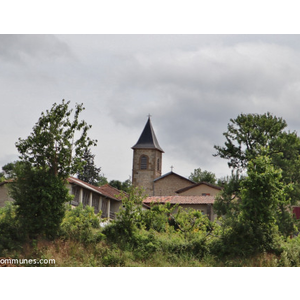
(190, 84)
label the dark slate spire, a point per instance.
(148, 139)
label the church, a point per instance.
(170, 187)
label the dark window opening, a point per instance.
(144, 163)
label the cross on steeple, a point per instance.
(172, 168)
(149, 116)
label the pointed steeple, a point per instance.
(148, 138)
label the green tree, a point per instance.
(48, 157)
(40, 199)
(122, 186)
(198, 176)
(8, 170)
(53, 146)
(227, 202)
(262, 191)
(253, 215)
(102, 180)
(89, 173)
(248, 134)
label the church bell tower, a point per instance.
(147, 160)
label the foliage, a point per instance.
(158, 217)
(11, 233)
(198, 176)
(162, 228)
(40, 199)
(190, 221)
(129, 218)
(228, 200)
(52, 144)
(89, 173)
(79, 224)
(48, 156)
(8, 170)
(247, 134)
(102, 180)
(262, 192)
(259, 144)
(252, 214)
(121, 186)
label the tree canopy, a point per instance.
(247, 134)
(198, 175)
(53, 145)
(89, 173)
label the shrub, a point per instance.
(11, 234)
(290, 256)
(80, 224)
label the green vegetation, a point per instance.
(198, 175)
(255, 228)
(89, 173)
(48, 156)
(160, 237)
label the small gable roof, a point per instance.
(198, 184)
(172, 173)
(183, 200)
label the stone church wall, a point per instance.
(200, 190)
(168, 185)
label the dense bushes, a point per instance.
(11, 233)
(79, 224)
(161, 229)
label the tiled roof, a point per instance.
(110, 191)
(105, 190)
(180, 199)
(197, 184)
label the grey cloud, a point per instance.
(191, 84)
(19, 48)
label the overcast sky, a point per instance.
(190, 84)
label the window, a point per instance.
(144, 162)
(158, 164)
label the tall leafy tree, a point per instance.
(253, 221)
(48, 156)
(89, 173)
(198, 175)
(249, 137)
(247, 134)
(53, 145)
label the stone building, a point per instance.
(170, 187)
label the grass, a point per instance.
(69, 253)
